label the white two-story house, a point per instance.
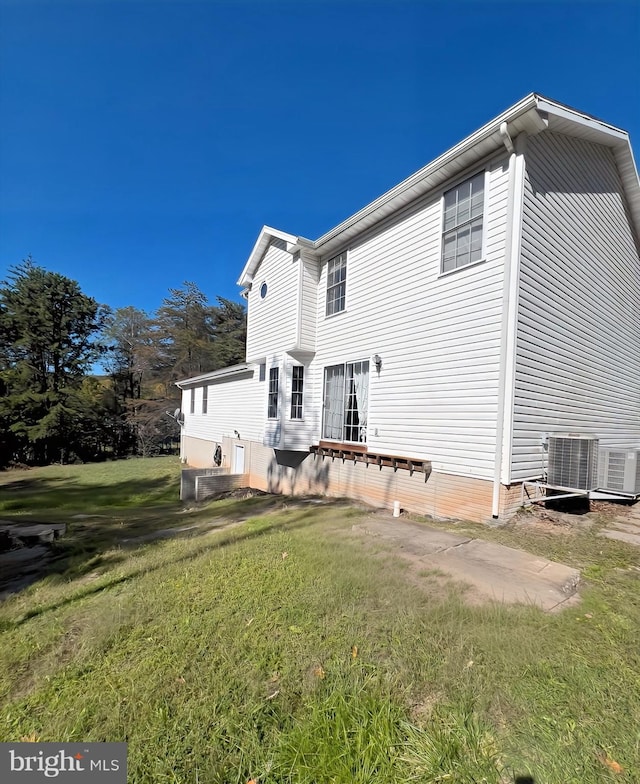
(423, 350)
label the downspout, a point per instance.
(502, 468)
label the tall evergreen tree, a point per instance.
(184, 333)
(129, 360)
(230, 333)
(186, 337)
(48, 330)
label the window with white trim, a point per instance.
(297, 388)
(462, 224)
(205, 399)
(192, 402)
(272, 400)
(346, 400)
(336, 284)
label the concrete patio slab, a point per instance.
(622, 536)
(630, 528)
(412, 539)
(494, 571)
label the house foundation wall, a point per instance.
(437, 494)
(197, 452)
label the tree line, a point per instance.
(55, 408)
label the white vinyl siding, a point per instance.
(577, 359)
(308, 304)
(297, 433)
(462, 223)
(225, 414)
(439, 337)
(272, 322)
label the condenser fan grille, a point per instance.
(573, 462)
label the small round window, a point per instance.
(263, 291)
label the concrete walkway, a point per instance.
(492, 570)
(626, 529)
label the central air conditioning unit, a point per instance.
(619, 470)
(573, 461)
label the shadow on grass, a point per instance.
(230, 537)
(67, 494)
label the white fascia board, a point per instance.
(262, 243)
(215, 375)
(579, 118)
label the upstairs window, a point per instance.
(462, 224)
(205, 399)
(297, 387)
(346, 401)
(272, 400)
(336, 284)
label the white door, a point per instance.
(238, 459)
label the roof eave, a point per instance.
(414, 181)
(214, 375)
(267, 234)
(530, 115)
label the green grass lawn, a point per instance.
(284, 649)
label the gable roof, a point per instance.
(532, 114)
(259, 249)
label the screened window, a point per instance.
(336, 284)
(462, 224)
(192, 402)
(297, 387)
(346, 398)
(262, 372)
(205, 399)
(272, 401)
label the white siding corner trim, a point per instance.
(513, 226)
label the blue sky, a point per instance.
(146, 143)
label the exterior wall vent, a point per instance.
(619, 470)
(573, 461)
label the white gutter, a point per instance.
(506, 137)
(506, 373)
